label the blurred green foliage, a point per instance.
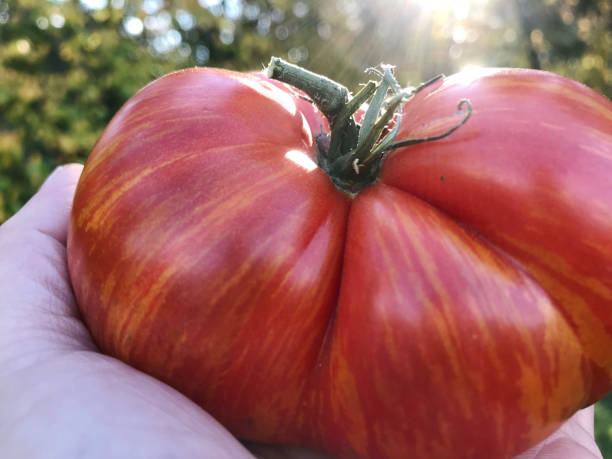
(603, 425)
(66, 66)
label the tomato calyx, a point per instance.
(353, 153)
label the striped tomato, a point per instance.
(455, 305)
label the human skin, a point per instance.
(60, 397)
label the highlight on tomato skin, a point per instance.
(316, 120)
(195, 224)
(456, 307)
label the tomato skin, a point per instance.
(456, 341)
(195, 243)
(316, 120)
(529, 172)
(423, 318)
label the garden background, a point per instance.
(67, 66)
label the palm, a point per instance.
(57, 391)
(61, 398)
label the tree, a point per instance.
(68, 65)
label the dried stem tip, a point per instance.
(328, 95)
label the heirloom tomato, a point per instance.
(457, 304)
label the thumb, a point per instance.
(37, 300)
(49, 209)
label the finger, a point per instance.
(586, 419)
(574, 439)
(579, 429)
(37, 309)
(49, 209)
(565, 447)
(33, 246)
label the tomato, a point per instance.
(457, 307)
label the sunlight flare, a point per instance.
(301, 159)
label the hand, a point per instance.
(573, 440)
(59, 397)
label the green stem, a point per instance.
(369, 120)
(329, 96)
(344, 131)
(353, 155)
(407, 142)
(364, 153)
